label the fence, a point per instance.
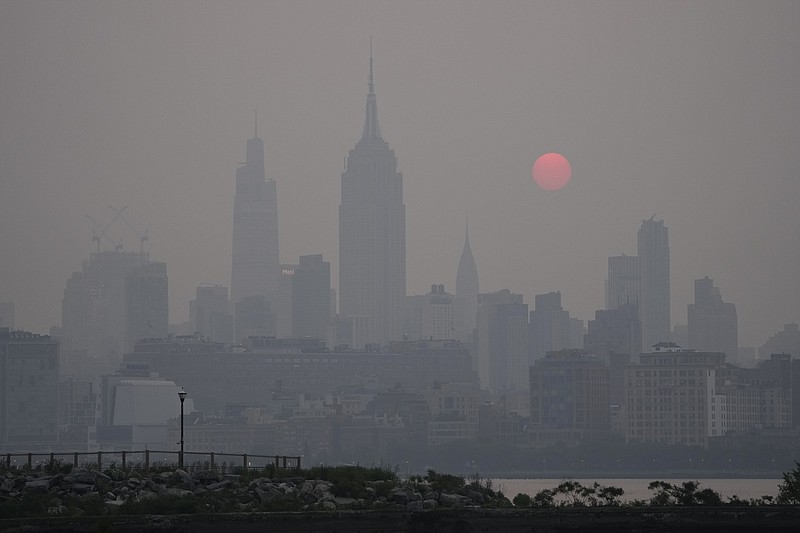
(145, 459)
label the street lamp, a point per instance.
(182, 396)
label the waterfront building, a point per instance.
(569, 398)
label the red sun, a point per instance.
(551, 171)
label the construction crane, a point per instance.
(99, 231)
(142, 236)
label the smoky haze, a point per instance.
(686, 110)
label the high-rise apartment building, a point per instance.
(467, 290)
(502, 355)
(549, 326)
(713, 325)
(255, 264)
(372, 232)
(654, 296)
(28, 389)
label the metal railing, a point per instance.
(145, 459)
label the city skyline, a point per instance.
(688, 112)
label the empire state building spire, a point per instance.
(371, 128)
(372, 236)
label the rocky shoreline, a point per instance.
(116, 489)
(350, 499)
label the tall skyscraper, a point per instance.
(502, 333)
(255, 265)
(116, 298)
(372, 232)
(713, 325)
(624, 281)
(654, 307)
(467, 290)
(549, 326)
(311, 293)
(146, 303)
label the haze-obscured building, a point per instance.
(467, 291)
(713, 324)
(550, 327)
(654, 296)
(117, 298)
(502, 355)
(372, 233)
(210, 313)
(686, 397)
(7, 315)
(430, 316)
(28, 390)
(569, 398)
(311, 293)
(785, 341)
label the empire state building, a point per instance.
(372, 232)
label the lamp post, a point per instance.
(182, 396)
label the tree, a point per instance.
(789, 490)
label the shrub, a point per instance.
(522, 500)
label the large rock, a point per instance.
(81, 475)
(451, 500)
(415, 506)
(37, 485)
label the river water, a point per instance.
(636, 489)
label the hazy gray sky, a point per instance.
(689, 110)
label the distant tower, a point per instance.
(372, 232)
(467, 290)
(255, 265)
(624, 282)
(713, 325)
(654, 306)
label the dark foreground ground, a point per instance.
(681, 519)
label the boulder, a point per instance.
(415, 506)
(37, 485)
(344, 502)
(81, 475)
(328, 506)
